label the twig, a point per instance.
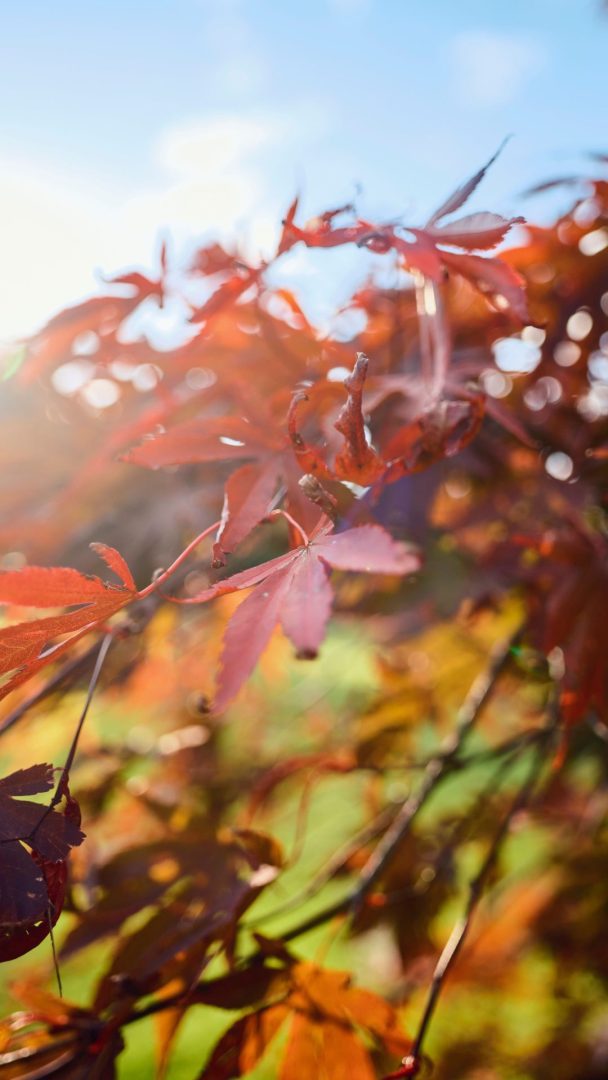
(436, 771)
(65, 772)
(437, 768)
(204, 990)
(61, 788)
(339, 861)
(462, 927)
(333, 867)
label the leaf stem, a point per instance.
(294, 524)
(166, 574)
(65, 772)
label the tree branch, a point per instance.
(438, 767)
(413, 1062)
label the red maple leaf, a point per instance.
(294, 590)
(28, 646)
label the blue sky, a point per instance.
(205, 116)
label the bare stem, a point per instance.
(438, 767)
(292, 521)
(462, 927)
(166, 574)
(65, 772)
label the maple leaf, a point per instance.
(463, 193)
(28, 646)
(294, 590)
(327, 1017)
(436, 426)
(210, 883)
(34, 843)
(238, 276)
(440, 431)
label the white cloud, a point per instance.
(491, 69)
(52, 236)
(54, 233)
(216, 143)
(218, 177)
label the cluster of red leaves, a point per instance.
(415, 429)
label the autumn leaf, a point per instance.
(28, 646)
(34, 843)
(569, 593)
(463, 193)
(493, 277)
(197, 890)
(475, 231)
(294, 590)
(327, 1018)
(56, 1038)
(235, 274)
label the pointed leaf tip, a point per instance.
(462, 193)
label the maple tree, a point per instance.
(377, 862)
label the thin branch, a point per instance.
(462, 927)
(436, 770)
(62, 782)
(60, 789)
(339, 861)
(203, 992)
(334, 865)
(65, 772)
(438, 767)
